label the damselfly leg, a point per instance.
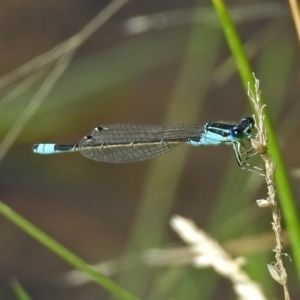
(242, 156)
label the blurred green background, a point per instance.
(171, 66)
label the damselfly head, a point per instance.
(246, 126)
(243, 130)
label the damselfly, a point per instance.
(130, 143)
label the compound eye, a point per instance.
(236, 133)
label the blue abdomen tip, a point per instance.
(44, 148)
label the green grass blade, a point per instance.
(64, 253)
(19, 291)
(282, 181)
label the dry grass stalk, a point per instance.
(259, 143)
